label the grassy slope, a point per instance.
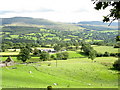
(74, 54)
(103, 49)
(69, 73)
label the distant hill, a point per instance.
(42, 31)
(47, 24)
(26, 20)
(97, 23)
(37, 22)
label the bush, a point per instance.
(36, 52)
(116, 64)
(107, 54)
(52, 56)
(49, 64)
(44, 56)
(62, 56)
(113, 54)
(99, 55)
(65, 54)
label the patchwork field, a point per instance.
(103, 49)
(71, 73)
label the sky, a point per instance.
(55, 10)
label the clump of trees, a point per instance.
(88, 50)
(62, 56)
(24, 54)
(107, 54)
(44, 56)
(116, 64)
(57, 48)
(36, 52)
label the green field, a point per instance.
(9, 53)
(71, 73)
(76, 72)
(75, 54)
(103, 49)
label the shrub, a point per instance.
(62, 56)
(99, 55)
(36, 52)
(107, 54)
(49, 64)
(44, 56)
(113, 54)
(52, 56)
(65, 55)
(116, 64)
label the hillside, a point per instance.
(26, 20)
(97, 23)
(26, 29)
(71, 73)
(36, 22)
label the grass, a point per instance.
(14, 36)
(103, 49)
(71, 73)
(9, 53)
(76, 72)
(32, 59)
(75, 54)
(109, 31)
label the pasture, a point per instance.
(71, 73)
(103, 49)
(9, 53)
(75, 54)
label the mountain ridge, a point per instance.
(98, 23)
(27, 20)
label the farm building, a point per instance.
(8, 62)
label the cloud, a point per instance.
(81, 10)
(5, 12)
(56, 10)
(43, 10)
(26, 11)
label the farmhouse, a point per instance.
(8, 62)
(48, 50)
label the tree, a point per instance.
(59, 56)
(62, 56)
(36, 52)
(92, 54)
(24, 54)
(44, 56)
(76, 45)
(65, 55)
(29, 48)
(118, 38)
(88, 50)
(4, 47)
(52, 56)
(57, 47)
(114, 12)
(116, 64)
(107, 54)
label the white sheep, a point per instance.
(30, 72)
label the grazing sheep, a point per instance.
(55, 84)
(89, 84)
(30, 72)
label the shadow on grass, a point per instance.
(82, 53)
(114, 69)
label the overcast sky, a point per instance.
(55, 10)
